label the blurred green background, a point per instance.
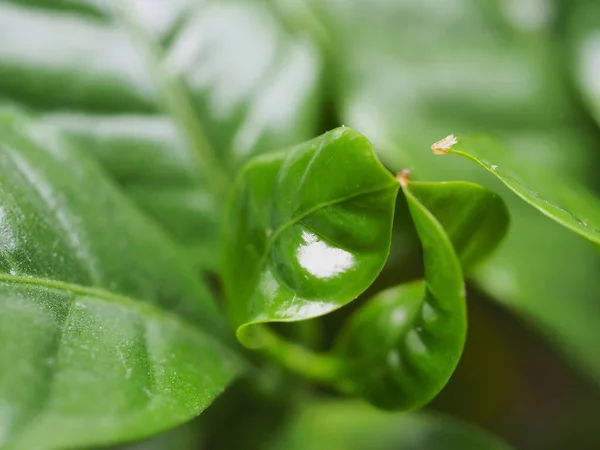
(260, 75)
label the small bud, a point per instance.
(403, 176)
(442, 147)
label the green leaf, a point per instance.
(344, 425)
(149, 109)
(562, 199)
(308, 230)
(473, 217)
(403, 345)
(90, 293)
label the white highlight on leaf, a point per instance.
(528, 15)
(414, 342)
(8, 242)
(6, 418)
(393, 358)
(398, 316)
(322, 260)
(589, 66)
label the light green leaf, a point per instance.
(562, 199)
(308, 230)
(355, 426)
(402, 346)
(93, 351)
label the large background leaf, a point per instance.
(242, 79)
(90, 353)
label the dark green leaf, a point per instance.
(557, 196)
(92, 350)
(308, 230)
(474, 217)
(356, 426)
(403, 345)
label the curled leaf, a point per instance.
(474, 217)
(308, 230)
(402, 346)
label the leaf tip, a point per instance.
(403, 177)
(442, 147)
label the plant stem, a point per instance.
(300, 16)
(319, 367)
(205, 158)
(179, 107)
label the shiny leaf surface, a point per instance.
(356, 426)
(558, 197)
(472, 216)
(308, 230)
(151, 84)
(404, 344)
(90, 293)
(147, 157)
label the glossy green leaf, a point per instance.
(308, 230)
(472, 216)
(355, 426)
(403, 345)
(187, 78)
(90, 293)
(562, 199)
(147, 157)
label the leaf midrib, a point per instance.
(79, 289)
(308, 212)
